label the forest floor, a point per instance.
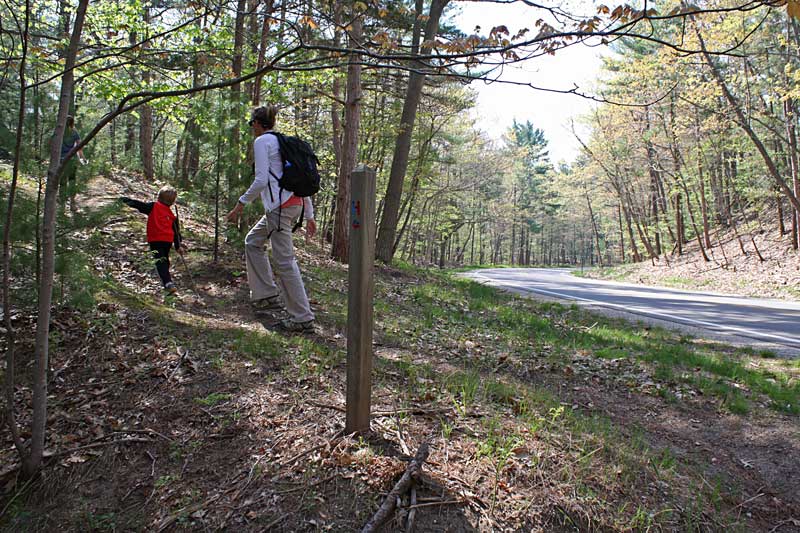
(191, 414)
(759, 263)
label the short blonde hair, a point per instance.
(167, 195)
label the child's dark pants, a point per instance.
(160, 251)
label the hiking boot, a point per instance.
(270, 303)
(170, 288)
(295, 327)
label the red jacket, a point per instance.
(160, 223)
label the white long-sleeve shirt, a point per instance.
(269, 168)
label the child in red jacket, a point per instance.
(162, 231)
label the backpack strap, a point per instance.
(271, 198)
(280, 207)
(278, 136)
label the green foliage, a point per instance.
(213, 399)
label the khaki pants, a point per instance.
(259, 272)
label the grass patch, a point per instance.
(213, 399)
(467, 307)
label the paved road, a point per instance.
(765, 322)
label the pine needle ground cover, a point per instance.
(188, 414)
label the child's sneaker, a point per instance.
(270, 303)
(170, 288)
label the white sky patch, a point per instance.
(499, 104)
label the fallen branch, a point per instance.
(328, 406)
(302, 454)
(791, 521)
(180, 361)
(311, 450)
(186, 511)
(387, 507)
(62, 453)
(437, 503)
(414, 411)
(307, 486)
(143, 432)
(408, 410)
(412, 514)
(240, 491)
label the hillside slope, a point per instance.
(760, 264)
(190, 414)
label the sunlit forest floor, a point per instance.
(190, 414)
(758, 263)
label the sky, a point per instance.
(499, 104)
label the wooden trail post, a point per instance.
(359, 299)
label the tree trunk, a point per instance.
(233, 152)
(594, 227)
(262, 51)
(251, 33)
(703, 200)
(191, 156)
(341, 234)
(130, 134)
(789, 110)
(336, 122)
(388, 228)
(217, 182)
(130, 120)
(745, 125)
(112, 133)
(146, 115)
(513, 222)
(643, 237)
(679, 223)
(11, 365)
(779, 206)
(621, 233)
(408, 209)
(33, 462)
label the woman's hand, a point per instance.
(311, 228)
(235, 213)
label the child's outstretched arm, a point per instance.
(142, 207)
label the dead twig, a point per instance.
(403, 445)
(276, 522)
(58, 372)
(153, 464)
(792, 521)
(167, 522)
(310, 450)
(142, 432)
(328, 406)
(413, 411)
(302, 454)
(180, 361)
(240, 491)
(309, 485)
(412, 513)
(16, 495)
(408, 410)
(62, 453)
(189, 273)
(387, 507)
(434, 504)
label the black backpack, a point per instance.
(300, 174)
